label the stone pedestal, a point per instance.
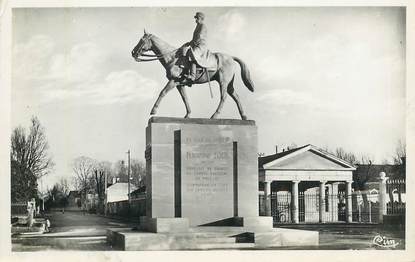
(201, 169)
(202, 190)
(164, 225)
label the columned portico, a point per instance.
(304, 176)
(294, 202)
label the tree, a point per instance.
(23, 183)
(102, 169)
(346, 156)
(30, 160)
(399, 159)
(120, 171)
(58, 195)
(138, 173)
(64, 186)
(31, 151)
(83, 168)
(400, 153)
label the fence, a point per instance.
(365, 204)
(137, 207)
(396, 189)
(23, 213)
(308, 207)
(19, 209)
(281, 207)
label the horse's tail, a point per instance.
(246, 76)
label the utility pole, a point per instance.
(128, 172)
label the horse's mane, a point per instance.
(162, 45)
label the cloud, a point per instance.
(271, 68)
(286, 97)
(82, 63)
(77, 74)
(31, 58)
(230, 25)
(125, 86)
(117, 87)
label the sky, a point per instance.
(327, 76)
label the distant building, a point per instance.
(74, 200)
(119, 192)
(138, 193)
(91, 203)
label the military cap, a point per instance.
(200, 14)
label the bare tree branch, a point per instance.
(31, 151)
(83, 168)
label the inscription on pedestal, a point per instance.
(207, 177)
(204, 170)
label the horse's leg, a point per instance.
(182, 92)
(235, 97)
(163, 92)
(222, 86)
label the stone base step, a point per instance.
(208, 246)
(201, 238)
(219, 229)
(208, 239)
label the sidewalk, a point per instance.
(352, 236)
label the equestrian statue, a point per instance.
(191, 64)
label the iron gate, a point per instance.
(365, 205)
(308, 207)
(281, 207)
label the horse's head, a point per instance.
(143, 46)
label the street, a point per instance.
(78, 231)
(71, 231)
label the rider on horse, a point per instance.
(196, 49)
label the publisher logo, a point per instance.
(383, 241)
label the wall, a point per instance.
(120, 208)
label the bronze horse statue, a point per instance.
(171, 58)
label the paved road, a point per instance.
(75, 231)
(71, 231)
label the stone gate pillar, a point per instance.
(382, 196)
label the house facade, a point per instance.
(119, 192)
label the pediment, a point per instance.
(308, 160)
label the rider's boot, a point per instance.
(192, 73)
(190, 78)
